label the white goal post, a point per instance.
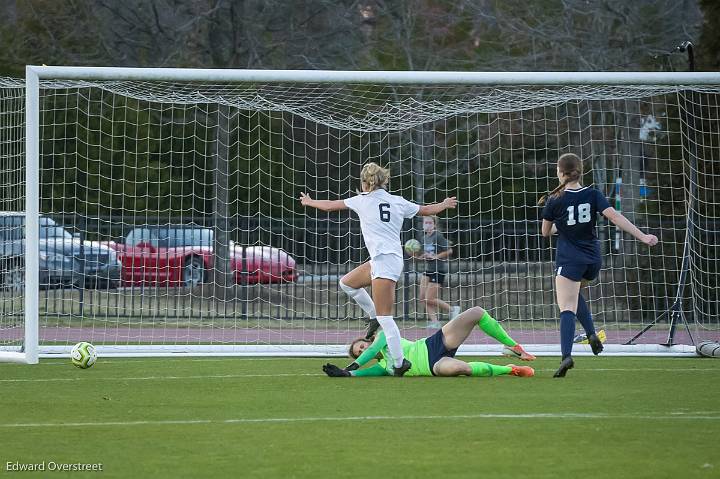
(178, 187)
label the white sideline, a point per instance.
(182, 422)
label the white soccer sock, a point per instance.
(392, 335)
(362, 298)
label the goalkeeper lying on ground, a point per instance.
(435, 355)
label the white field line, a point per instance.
(685, 370)
(278, 375)
(290, 420)
(63, 362)
(156, 378)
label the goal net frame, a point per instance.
(31, 350)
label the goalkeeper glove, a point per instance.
(334, 371)
(352, 366)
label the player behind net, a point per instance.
(381, 218)
(436, 251)
(571, 210)
(435, 355)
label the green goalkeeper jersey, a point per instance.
(415, 351)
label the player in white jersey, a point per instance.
(381, 219)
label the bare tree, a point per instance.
(179, 33)
(362, 34)
(580, 35)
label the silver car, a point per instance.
(64, 259)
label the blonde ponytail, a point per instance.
(374, 176)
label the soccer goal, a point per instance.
(156, 212)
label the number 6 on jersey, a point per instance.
(384, 212)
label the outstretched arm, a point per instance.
(374, 370)
(444, 254)
(325, 205)
(624, 224)
(335, 372)
(370, 353)
(435, 208)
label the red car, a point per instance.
(183, 256)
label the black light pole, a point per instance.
(688, 47)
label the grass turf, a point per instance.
(611, 417)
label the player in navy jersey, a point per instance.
(570, 211)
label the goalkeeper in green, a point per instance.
(435, 355)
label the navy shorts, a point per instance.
(436, 277)
(437, 350)
(578, 271)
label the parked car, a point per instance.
(181, 255)
(64, 260)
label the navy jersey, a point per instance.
(574, 214)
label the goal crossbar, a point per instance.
(376, 77)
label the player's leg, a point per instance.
(448, 366)
(354, 283)
(423, 288)
(583, 311)
(452, 311)
(431, 304)
(429, 311)
(585, 318)
(567, 291)
(383, 294)
(358, 277)
(457, 330)
(451, 367)
(433, 295)
(383, 290)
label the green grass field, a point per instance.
(266, 418)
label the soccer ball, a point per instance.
(412, 246)
(83, 355)
(709, 349)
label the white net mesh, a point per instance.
(170, 214)
(12, 199)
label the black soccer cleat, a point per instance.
(406, 365)
(595, 344)
(565, 365)
(370, 328)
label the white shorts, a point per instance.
(388, 266)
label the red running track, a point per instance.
(208, 335)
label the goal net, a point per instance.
(169, 220)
